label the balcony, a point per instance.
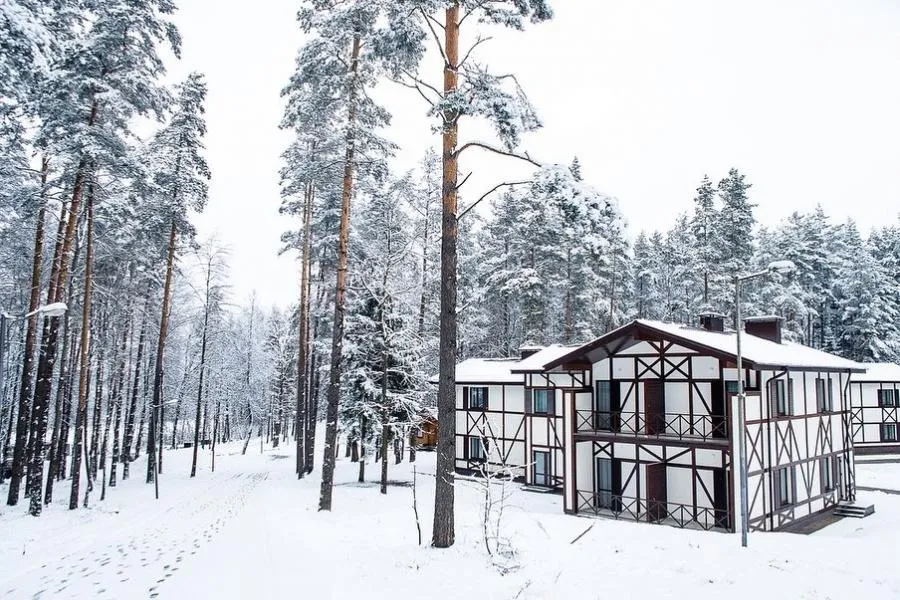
(617, 506)
(678, 426)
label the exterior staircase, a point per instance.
(853, 510)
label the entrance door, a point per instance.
(656, 492)
(608, 484)
(720, 498)
(654, 407)
(541, 468)
(717, 410)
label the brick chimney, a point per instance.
(711, 321)
(526, 351)
(767, 327)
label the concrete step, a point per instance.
(853, 510)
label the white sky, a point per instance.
(802, 95)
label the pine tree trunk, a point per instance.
(354, 451)
(132, 410)
(214, 436)
(200, 385)
(98, 406)
(385, 441)
(337, 340)
(156, 408)
(303, 349)
(68, 387)
(117, 400)
(59, 437)
(443, 534)
(25, 387)
(312, 413)
(47, 357)
(85, 368)
(362, 449)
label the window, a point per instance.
(478, 398)
(543, 401)
(888, 432)
(603, 497)
(603, 406)
(476, 448)
(781, 397)
(826, 467)
(784, 486)
(731, 388)
(824, 395)
(888, 398)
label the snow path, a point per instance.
(121, 557)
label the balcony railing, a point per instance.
(659, 425)
(629, 508)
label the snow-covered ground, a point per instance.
(251, 530)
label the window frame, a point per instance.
(881, 397)
(545, 395)
(826, 474)
(477, 443)
(824, 395)
(482, 395)
(788, 486)
(888, 427)
(779, 390)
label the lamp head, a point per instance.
(782, 267)
(57, 309)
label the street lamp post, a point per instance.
(782, 267)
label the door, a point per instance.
(654, 407)
(720, 498)
(541, 468)
(608, 484)
(719, 428)
(656, 492)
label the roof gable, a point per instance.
(758, 353)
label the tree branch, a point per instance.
(477, 43)
(437, 38)
(491, 191)
(490, 148)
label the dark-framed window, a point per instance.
(824, 395)
(477, 398)
(888, 398)
(543, 400)
(785, 486)
(888, 432)
(731, 388)
(603, 483)
(826, 470)
(603, 405)
(477, 445)
(781, 397)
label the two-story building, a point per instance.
(638, 424)
(874, 409)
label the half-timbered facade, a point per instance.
(652, 436)
(504, 424)
(639, 424)
(875, 409)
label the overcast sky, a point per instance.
(801, 95)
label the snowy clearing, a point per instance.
(251, 530)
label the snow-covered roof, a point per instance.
(485, 370)
(878, 372)
(758, 352)
(536, 361)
